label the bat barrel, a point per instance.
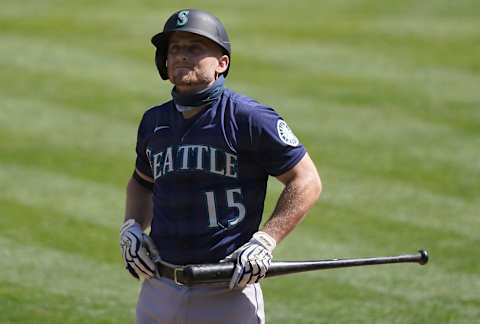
(208, 273)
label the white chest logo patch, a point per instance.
(286, 134)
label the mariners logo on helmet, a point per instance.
(182, 17)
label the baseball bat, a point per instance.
(222, 272)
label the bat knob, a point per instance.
(423, 257)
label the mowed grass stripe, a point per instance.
(381, 130)
(407, 99)
(328, 297)
(58, 231)
(117, 135)
(18, 149)
(327, 232)
(356, 62)
(336, 232)
(119, 21)
(403, 200)
(113, 139)
(73, 93)
(463, 93)
(59, 127)
(383, 293)
(398, 285)
(452, 28)
(414, 98)
(99, 204)
(84, 200)
(80, 64)
(64, 59)
(65, 274)
(23, 304)
(400, 200)
(107, 135)
(389, 220)
(389, 145)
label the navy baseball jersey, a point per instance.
(211, 174)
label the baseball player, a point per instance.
(200, 179)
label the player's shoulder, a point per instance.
(247, 106)
(153, 115)
(158, 110)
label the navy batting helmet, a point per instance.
(193, 21)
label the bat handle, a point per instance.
(423, 257)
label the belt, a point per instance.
(172, 272)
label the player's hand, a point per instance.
(138, 250)
(251, 260)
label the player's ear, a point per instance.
(223, 62)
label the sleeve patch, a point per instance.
(286, 134)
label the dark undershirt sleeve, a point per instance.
(144, 183)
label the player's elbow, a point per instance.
(312, 185)
(316, 186)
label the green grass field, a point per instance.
(384, 94)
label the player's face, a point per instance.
(193, 61)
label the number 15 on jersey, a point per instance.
(233, 200)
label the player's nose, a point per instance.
(181, 56)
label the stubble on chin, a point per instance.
(181, 78)
(182, 81)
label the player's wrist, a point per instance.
(131, 225)
(265, 240)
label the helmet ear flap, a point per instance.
(161, 63)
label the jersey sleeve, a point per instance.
(276, 147)
(142, 163)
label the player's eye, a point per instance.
(173, 49)
(195, 48)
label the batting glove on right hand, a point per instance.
(252, 260)
(138, 250)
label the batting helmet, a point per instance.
(193, 21)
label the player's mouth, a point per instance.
(183, 67)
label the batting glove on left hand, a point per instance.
(251, 260)
(138, 250)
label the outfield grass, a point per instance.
(384, 94)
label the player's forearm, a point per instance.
(293, 204)
(302, 190)
(138, 204)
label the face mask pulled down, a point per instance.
(190, 101)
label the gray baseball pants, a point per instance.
(163, 301)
